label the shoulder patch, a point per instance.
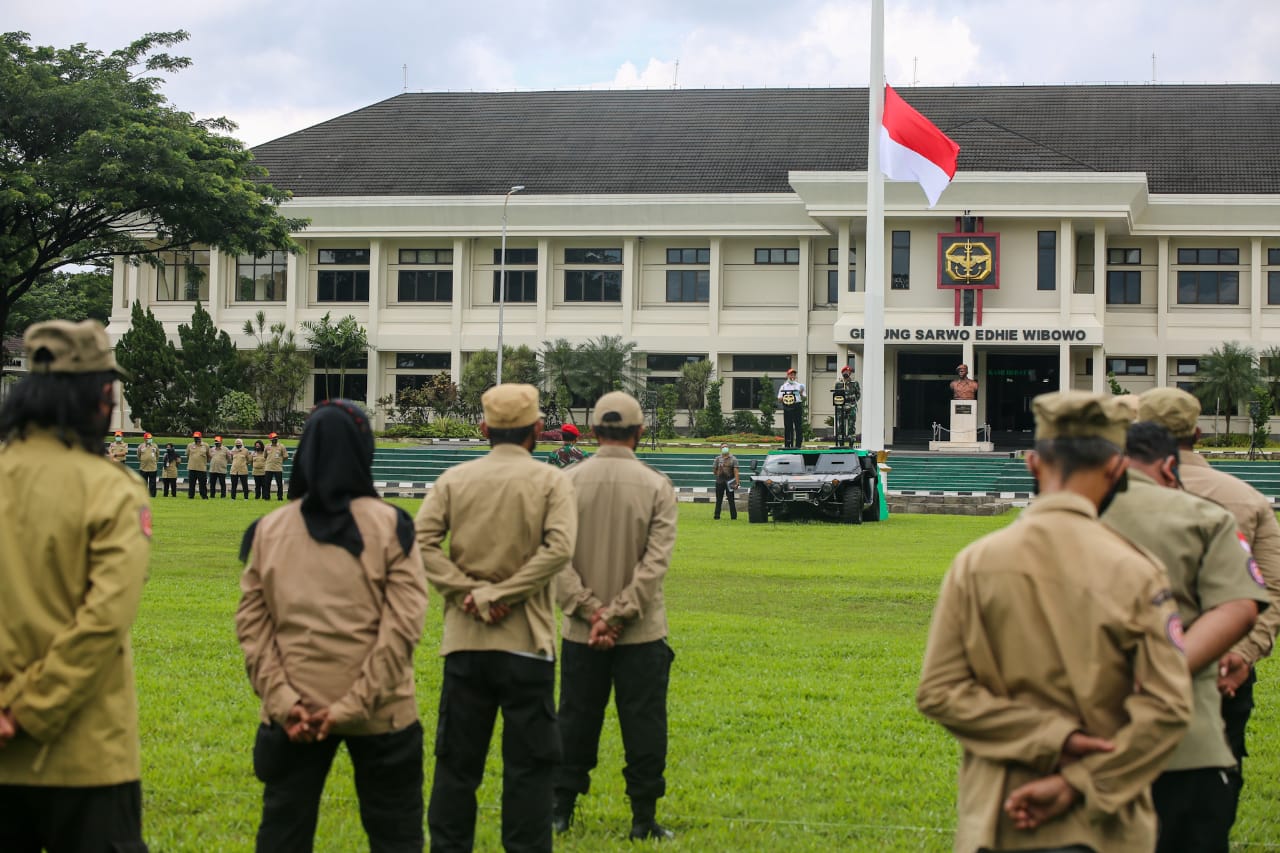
(1162, 596)
(144, 520)
(1174, 629)
(246, 544)
(1251, 563)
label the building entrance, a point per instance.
(923, 393)
(1009, 384)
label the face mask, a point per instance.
(1121, 485)
(725, 451)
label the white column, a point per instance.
(875, 388)
(295, 287)
(463, 258)
(632, 264)
(374, 390)
(546, 287)
(1064, 367)
(1099, 370)
(1100, 271)
(804, 288)
(377, 274)
(1256, 292)
(1066, 270)
(216, 273)
(1162, 311)
(844, 244)
(713, 289)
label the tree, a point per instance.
(97, 163)
(563, 370)
(237, 412)
(1260, 409)
(1227, 376)
(712, 419)
(210, 367)
(668, 400)
(768, 403)
(519, 364)
(275, 372)
(608, 365)
(694, 376)
(63, 296)
(153, 392)
(341, 345)
(1269, 370)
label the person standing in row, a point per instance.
(239, 469)
(258, 462)
(511, 522)
(118, 451)
(218, 458)
(342, 672)
(615, 622)
(148, 457)
(569, 452)
(726, 473)
(197, 467)
(276, 453)
(1053, 656)
(791, 394)
(1179, 412)
(170, 473)
(75, 536)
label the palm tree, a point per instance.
(1227, 376)
(564, 373)
(609, 365)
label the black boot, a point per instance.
(562, 810)
(644, 825)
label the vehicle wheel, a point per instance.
(872, 512)
(851, 504)
(757, 512)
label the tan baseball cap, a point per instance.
(60, 346)
(510, 405)
(1172, 408)
(1130, 404)
(1079, 414)
(617, 409)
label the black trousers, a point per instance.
(1195, 809)
(201, 479)
(240, 481)
(1236, 711)
(723, 489)
(638, 674)
(259, 485)
(476, 685)
(388, 777)
(149, 477)
(104, 819)
(216, 481)
(170, 486)
(278, 478)
(791, 426)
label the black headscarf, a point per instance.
(171, 456)
(334, 464)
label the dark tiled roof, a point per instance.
(1187, 138)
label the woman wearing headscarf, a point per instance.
(332, 606)
(259, 463)
(170, 472)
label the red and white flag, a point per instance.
(913, 149)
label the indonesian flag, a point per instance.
(913, 149)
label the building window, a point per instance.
(425, 286)
(182, 276)
(1124, 287)
(1046, 260)
(1273, 288)
(777, 256)
(1273, 257)
(671, 362)
(900, 265)
(1127, 366)
(354, 386)
(779, 364)
(1209, 256)
(1187, 366)
(426, 256)
(593, 256)
(422, 361)
(261, 278)
(344, 257)
(833, 256)
(592, 286)
(1121, 257)
(516, 256)
(833, 285)
(342, 286)
(688, 256)
(746, 392)
(522, 285)
(688, 285)
(1208, 287)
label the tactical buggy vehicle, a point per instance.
(841, 484)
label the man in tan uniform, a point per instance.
(1052, 657)
(511, 523)
(197, 467)
(218, 458)
(276, 454)
(118, 451)
(148, 462)
(240, 469)
(74, 545)
(615, 623)
(1178, 411)
(1212, 578)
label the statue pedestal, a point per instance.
(963, 437)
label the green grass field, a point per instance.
(793, 725)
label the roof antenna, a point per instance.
(675, 76)
(404, 69)
(1153, 67)
(915, 71)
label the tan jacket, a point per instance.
(324, 628)
(626, 533)
(218, 457)
(1207, 564)
(197, 457)
(148, 456)
(275, 455)
(1040, 629)
(118, 451)
(170, 471)
(75, 538)
(239, 461)
(1257, 521)
(511, 523)
(259, 463)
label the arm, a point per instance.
(1212, 634)
(49, 692)
(256, 632)
(987, 724)
(574, 597)
(432, 525)
(559, 534)
(404, 608)
(1266, 551)
(646, 579)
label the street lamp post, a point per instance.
(502, 275)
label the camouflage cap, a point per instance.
(1079, 414)
(60, 346)
(617, 409)
(1172, 408)
(510, 405)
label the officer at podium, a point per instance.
(791, 394)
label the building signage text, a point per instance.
(980, 335)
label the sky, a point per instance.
(277, 67)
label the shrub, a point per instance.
(451, 428)
(745, 438)
(745, 421)
(237, 412)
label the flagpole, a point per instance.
(873, 392)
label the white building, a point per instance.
(1139, 227)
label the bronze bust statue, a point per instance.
(962, 387)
